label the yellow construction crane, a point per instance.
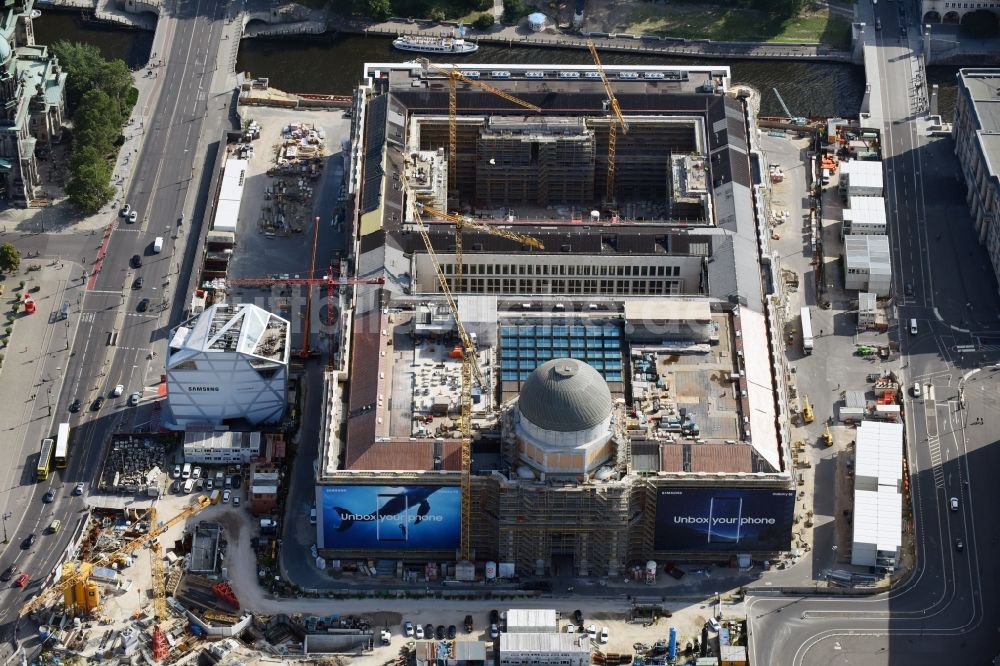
(461, 224)
(159, 589)
(612, 128)
(82, 572)
(454, 76)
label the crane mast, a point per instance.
(616, 110)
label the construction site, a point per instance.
(568, 367)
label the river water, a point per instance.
(334, 65)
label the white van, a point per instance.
(826, 177)
(188, 486)
(186, 471)
(158, 245)
(913, 327)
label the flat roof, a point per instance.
(879, 452)
(878, 518)
(866, 210)
(982, 85)
(863, 173)
(518, 618)
(548, 642)
(227, 209)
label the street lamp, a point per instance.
(6, 515)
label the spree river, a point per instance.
(334, 65)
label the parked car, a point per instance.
(468, 624)
(713, 624)
(439, 632)
(22, 580)
(97, 404)
(429, 631)
(133, 399)
(75, 406)
(494, 617)
(175, 486)
(578, 616)
(494, 631)
(592, 631)
(196, 473)
(177, 472)
(78, 490)
(236, 502)
(420, 632)
(674, 571)
(118, 391)
(8, 573)
(225, 497)
(452, 631)
(407, 628)
(604, 634)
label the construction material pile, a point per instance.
(135, 462)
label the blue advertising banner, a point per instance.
(724, 519)
(389, 517)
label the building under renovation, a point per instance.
(625, 406)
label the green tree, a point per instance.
(513, 10)
(89, 187)
(97, 121)
(10, 258)
(379, 10)
(87, 70)
(484, 22)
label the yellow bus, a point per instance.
(45, 459)
(62, 445)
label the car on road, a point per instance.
(136, 261)
(439, 632)
(236, 502)
(132, 217)
(133, 399)
(55, 526)
(225, 496)
(48, 496)
(908, 289)
(916, 390)
(8, 573)
(126, 210)
(97, 404)
(143, 305)
(959, 545)
(494, 631)
(118, 391)
(75, 406)
(138, 282)
(29, 541)
(407, 628)
(420, 632)
(592, 631)
(954, 503)
(78, 490)
(452, 631)
(22, 580)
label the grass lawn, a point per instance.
(741, 25)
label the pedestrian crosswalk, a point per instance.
(934, 443)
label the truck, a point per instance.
(807, 331)
(807, 410)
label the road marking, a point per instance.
(933, 442)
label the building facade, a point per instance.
(953, 11)
(32, 103)
(976, 131)
(221, 448)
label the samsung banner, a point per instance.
(389, 517)
(724, 519)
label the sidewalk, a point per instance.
(34, 370)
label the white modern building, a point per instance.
(878, 498)
(221, 448)
(861, 178)
(228, 364)
(867, 309)
(867, 264)
(531, 620)
(865, 216)
(544, 649)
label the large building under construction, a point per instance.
(629, 407)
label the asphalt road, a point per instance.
(164, 172)
(946, 612)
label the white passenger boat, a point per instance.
(452, 45)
